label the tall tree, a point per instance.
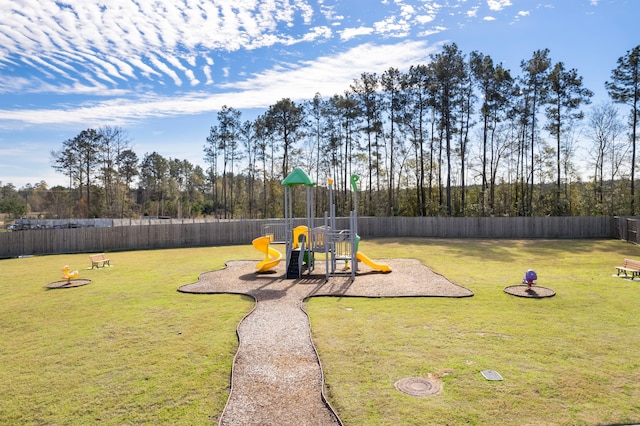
(465, 107)
(449, 76)
(332, 150)
(366, 91)
(566, 95)
(391, 83)
(285, 119)
(196, 186)
(113, 142)
(154, 180)
(419, 85)
(232, 151)
(624, 88)
(211, 155)
(226, 137)
(350, 118)
(495, 85)
(66, 162)
(179, 172)
(604, 129)
(127, 169)
(79, 159)
(88, 143)
(250, 144)
(534, 88)
(314, 111)
(262, 137)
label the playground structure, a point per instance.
(529, 278)
(303, 242)
(69, 275)
(273, 256)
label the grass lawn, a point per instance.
(567, 360)
(125, 349)
(129, 349)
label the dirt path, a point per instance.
(277, 377)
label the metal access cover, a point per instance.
(491, 375)
(418, 386)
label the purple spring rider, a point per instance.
(529, 277)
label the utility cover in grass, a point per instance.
(491, 375)
(418, 386)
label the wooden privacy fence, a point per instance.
(488, 227)
(174, 235)
(628, 228)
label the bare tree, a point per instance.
(114, 141)
(604, 129)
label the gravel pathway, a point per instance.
(277, 377)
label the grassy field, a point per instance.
(125, 349)
(129, 349)
(567, 360)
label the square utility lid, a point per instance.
(491, 375)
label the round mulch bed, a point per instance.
(418, 386)
(67, 284)
(534, 292)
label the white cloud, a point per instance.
(488, 18)
(391, 26)
(110, 39)
(328, 75)
(164, 68)
(316, 33)
(406, 11)
(207, 72)
(349, 33)
(424, 19)
(434, 30)
(329, 13)
(144, 69)
(497, 5)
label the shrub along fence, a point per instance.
(140, 235)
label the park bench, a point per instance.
(96, 259)
(629, 267)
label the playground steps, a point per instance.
(293, 266)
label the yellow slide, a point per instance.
(367, 261)
(272, 258)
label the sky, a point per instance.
(161, 69)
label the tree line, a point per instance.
(458, 136)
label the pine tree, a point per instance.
(624, 88)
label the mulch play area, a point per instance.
(277, 377)
(67, 284)
(535, 291)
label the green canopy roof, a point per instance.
(298, 177)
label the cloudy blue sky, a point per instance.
(161, 69)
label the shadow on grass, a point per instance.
(503, 250)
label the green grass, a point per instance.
(571, 359)
(125, 349)
(129, 349)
